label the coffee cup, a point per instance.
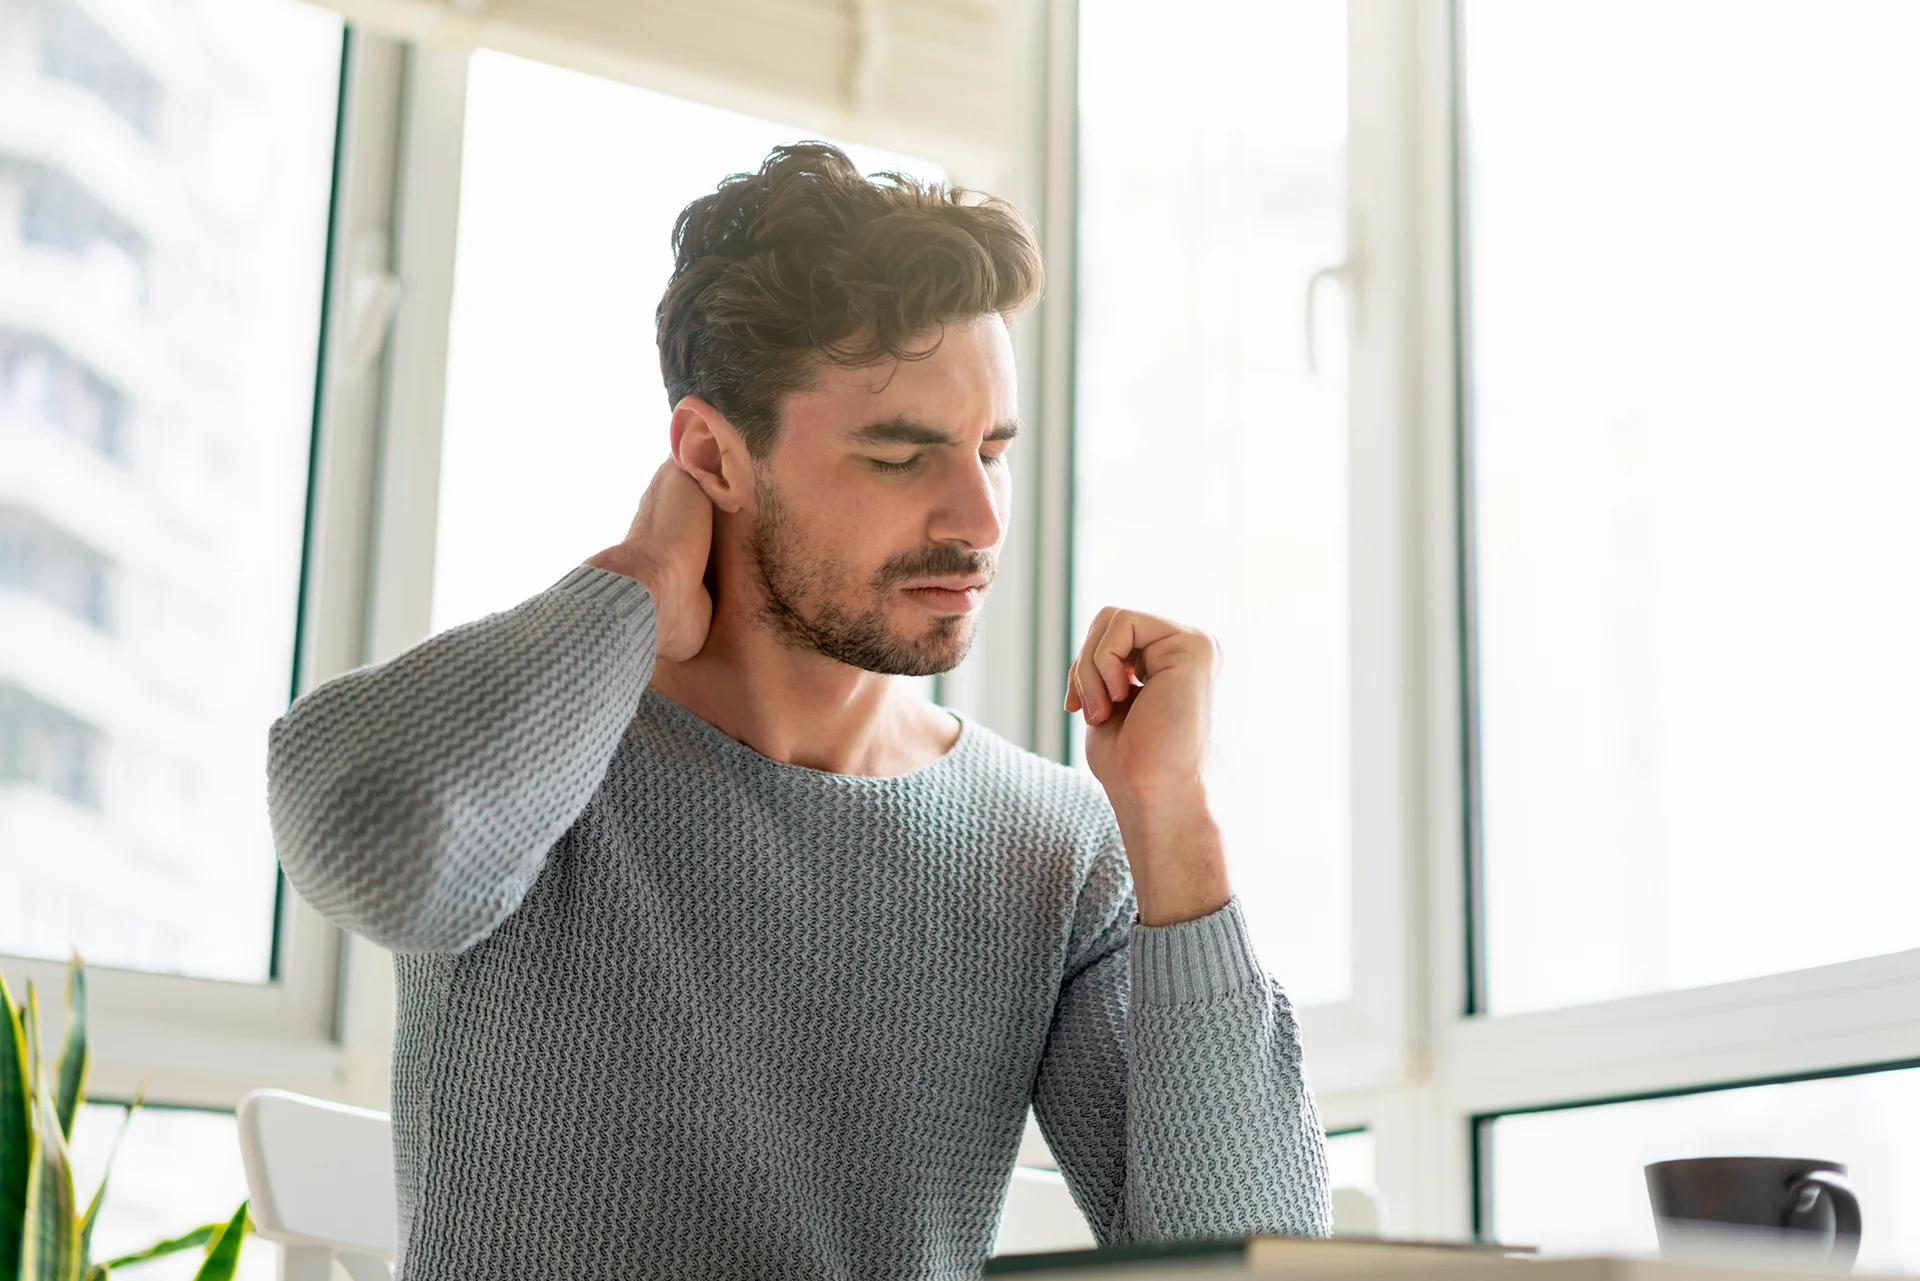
(1755, 1205)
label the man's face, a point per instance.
(882, 506)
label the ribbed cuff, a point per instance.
(1193, 961)
(625, 596)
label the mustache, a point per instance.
(935, 562)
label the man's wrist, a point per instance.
(620, 560)
(1177, 855)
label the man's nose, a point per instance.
(970, 511)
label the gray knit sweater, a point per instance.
(667, 1008)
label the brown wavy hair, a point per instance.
(808, 261)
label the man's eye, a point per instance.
(882, 465)
(994, 458)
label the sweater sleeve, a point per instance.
(1171, 1090)
(414, 801)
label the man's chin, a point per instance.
(939, 647)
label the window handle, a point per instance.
(1346, 274)
(373, 296)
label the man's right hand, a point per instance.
(666, 548)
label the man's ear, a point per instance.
(710, 450)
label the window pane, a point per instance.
(1210, 465)
(1697, 439)
(555, 425)
(1350, 1160)
(165, 174)
(175, 1170)
(1571, 1182)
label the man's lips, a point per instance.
(949, 595)
(956, 584)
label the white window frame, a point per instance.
(1460, 1068)
(322, 1023)
(1400, 1057)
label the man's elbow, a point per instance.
(370, 864)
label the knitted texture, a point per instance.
(668, 1008)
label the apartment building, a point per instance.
(138, 469)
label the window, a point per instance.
(1210, 460)
(1647, 265)
(162, 246)
(1695, 440)
(1350, 1160)
(176, 1169)
(76, 49)
(38, 558)
(57, 211)
(1570, 1181)
(43, 385)
(43, 747)
(556, 417)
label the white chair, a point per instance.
(1356, 1213)
(320, 1184)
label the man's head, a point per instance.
(836, 352)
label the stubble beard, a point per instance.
(805, 599)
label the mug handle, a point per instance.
(1804, 1193)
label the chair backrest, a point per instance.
(320, 1183)
(1356, 1213)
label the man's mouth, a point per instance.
(949, 595)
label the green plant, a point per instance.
(45, 1233)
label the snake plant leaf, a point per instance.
(52, 1250)
(92, 1215)
(36, 1085)
(72, 1082)
(196, 1238)
(225, 1255)
(16, 1133)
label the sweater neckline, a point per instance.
(732, 746)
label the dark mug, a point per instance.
(1794, 1201)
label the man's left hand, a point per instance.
(1145, 688)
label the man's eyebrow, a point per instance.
(911, 431)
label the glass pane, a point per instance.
(1571, 1182)
(554, 428)
(1350, 1160)
(1697, 440)
(165, 175)
(175, 1170)
(1210, 464)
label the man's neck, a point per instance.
(799, 707)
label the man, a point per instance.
(720, 953)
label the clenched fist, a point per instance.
(666, 548)
(1145, 688)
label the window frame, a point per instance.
(1408, 1057)
(1404, 1057)
(1830, 1020)
(319, 1022)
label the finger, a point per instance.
(1077, 672)
(1072, 701)
(1136, 645)
(1092, 688)
(1089, 695)
(1111, 663)
(638, 523)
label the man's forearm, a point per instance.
(413, 801)
(1179, 861)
